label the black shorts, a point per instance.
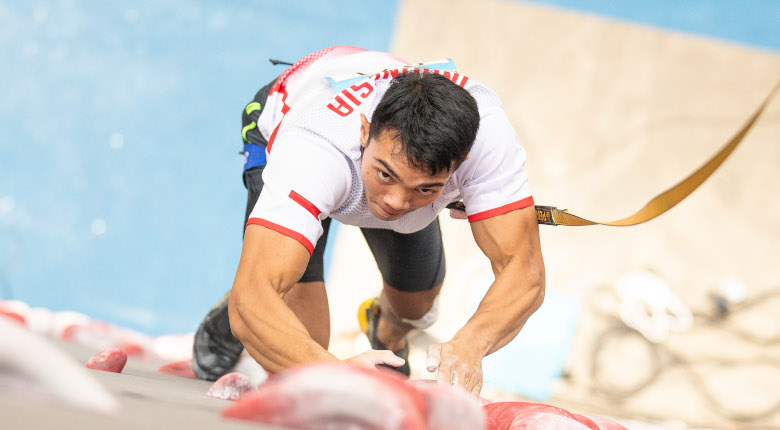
(408, 262)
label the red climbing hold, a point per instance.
(450, 408)
(231, 386)
(110, 360)
(334, 396)
(179, 368)
(13, 316)
(538, 416)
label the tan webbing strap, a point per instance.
(663, 202)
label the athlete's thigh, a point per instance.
(408, 262)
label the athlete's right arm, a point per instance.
(269, 330)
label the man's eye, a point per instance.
(425, 191)
(383, 175)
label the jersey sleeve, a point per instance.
(493, 180)
(304, 181)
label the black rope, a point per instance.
(664, 359)
(277, 62)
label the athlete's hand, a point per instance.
(372, 358)
(457, 364)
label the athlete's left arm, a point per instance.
(511, 242)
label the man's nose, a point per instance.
(397, 199)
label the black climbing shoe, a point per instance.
(368, 315)
(215, 350)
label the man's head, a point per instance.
(421, 131)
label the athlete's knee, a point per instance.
(426, 320)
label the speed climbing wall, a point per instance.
(120, 192)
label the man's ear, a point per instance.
(364, 127)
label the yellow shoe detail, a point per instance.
(362, 313)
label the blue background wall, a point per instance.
(119, 137)
(120, 187)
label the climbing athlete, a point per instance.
(366, 139)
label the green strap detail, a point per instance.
(251, 107)
(247, 128)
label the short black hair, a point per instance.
(435, 119)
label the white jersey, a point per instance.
(314, 151)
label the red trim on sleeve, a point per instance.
(309, 206)
(283, 230)
(528, 201)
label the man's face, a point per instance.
(393, 187)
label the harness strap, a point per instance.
(550, 215)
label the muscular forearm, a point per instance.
(511, 242)
(270, 331)
(516, 293)
(270, 265)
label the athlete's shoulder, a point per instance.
(486, 98)
(311, 167)
(496, 143)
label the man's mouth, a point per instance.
(388, 212)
